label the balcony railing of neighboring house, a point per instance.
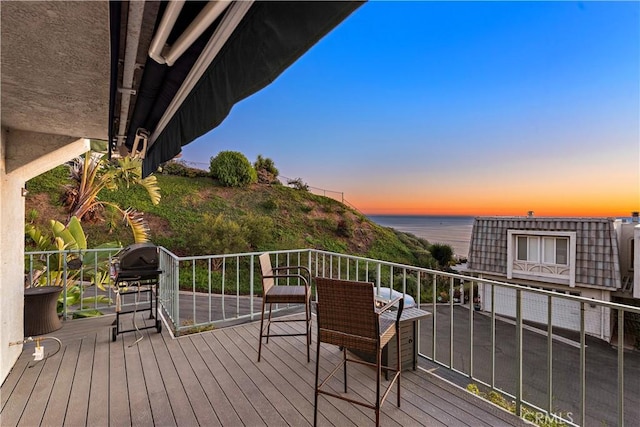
(545, 370)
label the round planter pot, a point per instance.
(41, 310)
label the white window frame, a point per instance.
(512, 255)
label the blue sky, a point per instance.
(458, 108)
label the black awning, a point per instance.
(271, 36)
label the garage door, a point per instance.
(565, 313)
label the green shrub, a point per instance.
(271, 204)
(233, 169)
(443, 253)
(266, 170)
(32, 215)
(298, 184)
(258, 230)
(180, 169)
(536, 417)
(215, 234)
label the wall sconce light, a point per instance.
(24, 191)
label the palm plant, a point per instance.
(65, 266)
(92, 174)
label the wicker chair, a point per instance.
(348, 318)
(272, 293)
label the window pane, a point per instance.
(534, 243)
(522, 248)
(562, 249)
(548, 250)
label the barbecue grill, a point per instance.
(135, 270)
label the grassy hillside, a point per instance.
(198, 216)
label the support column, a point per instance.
(11, 262)
(23, 155)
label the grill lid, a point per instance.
(139, 256)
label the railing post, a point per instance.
(251, 266)
(583, 371)
(470, 325)
(435, 307)
(64, 286)
(331, 266)
(238, 282)
(450, 322)
(209, 288)
(193, 291)
(620, 367)
(519, 352)
(378, 278)
(223, 278)
(493, 336)
(550, 353)
(176, 291)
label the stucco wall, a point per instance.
(11, 263)
(45, 152)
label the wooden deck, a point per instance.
(211, 379)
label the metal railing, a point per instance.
(213, 290)
(516, 344)
(80, 296)
(527, 357)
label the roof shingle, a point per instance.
(597, 260)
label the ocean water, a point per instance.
(452, 230)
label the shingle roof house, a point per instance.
(589, 257)
(596, 245)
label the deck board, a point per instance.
(359, 415)
(98, 405)
(138, 394)
(156, 392)
(290, 388)
(213, 378)
(238, 386)
(56, 409)
(35, 408)
(118, 390)
(198, 399)
(210, 384)
(179, 402)
(11, 381)
(81, 387)
(287, 359)
(43, 392)
(285, 409)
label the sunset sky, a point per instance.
(458, 108)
